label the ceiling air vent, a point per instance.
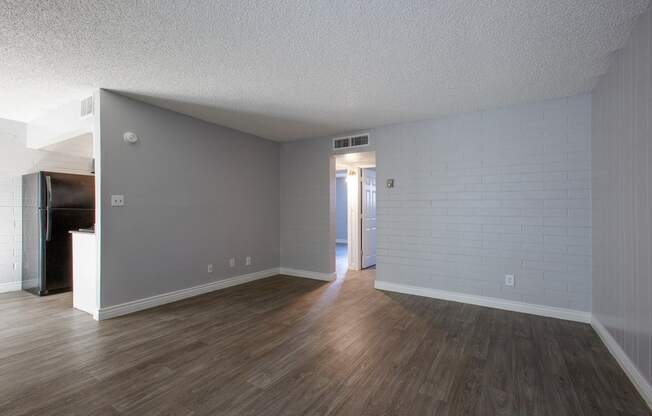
(341, 142)
(351, 141)
(86, 107)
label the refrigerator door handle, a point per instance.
(48, 186)
(48, 224)
(48, 211)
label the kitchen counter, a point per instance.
(84, 271)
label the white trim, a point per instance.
(97, 168)
(635, 376)
(329, 277)
(508, 305)
(10, 287)
(157, 300)
(353, 221)
(341, 240)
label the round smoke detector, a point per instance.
(130, 137)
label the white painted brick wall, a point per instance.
(10, 229)
(481, 195)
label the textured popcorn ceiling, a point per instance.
(286, 70)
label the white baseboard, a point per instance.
(10, 287)
(329, 277)
(508, 305)
(157, 300)
(641, 384)
(153, 301)
(342, 241)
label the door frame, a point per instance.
(354, 203)
(353, 217)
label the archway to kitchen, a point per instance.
(50, 166)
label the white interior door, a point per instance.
(368, 217)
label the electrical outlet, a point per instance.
(248, 261)
(509, 280)
(117, 200)
(232, 262)
(210, 268)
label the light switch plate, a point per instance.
(509, 280)
(117, 200)
(248, 261)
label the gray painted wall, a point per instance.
(622, 187)
(308, 206)
(195, 194)
(477, 196)
(308, 217)
(340, 208)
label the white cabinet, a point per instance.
(84, 272)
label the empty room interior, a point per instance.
(326, 207)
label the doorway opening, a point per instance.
(355, 206)
(50, 165)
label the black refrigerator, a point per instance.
(53, 205)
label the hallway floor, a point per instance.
(341, 259)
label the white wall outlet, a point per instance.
(210, 268)
(117, 200)
(248, 261)
(232, 262)
(509, 280)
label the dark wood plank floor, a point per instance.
(291, 346)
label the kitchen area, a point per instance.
(59, 236)
(47, 228)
